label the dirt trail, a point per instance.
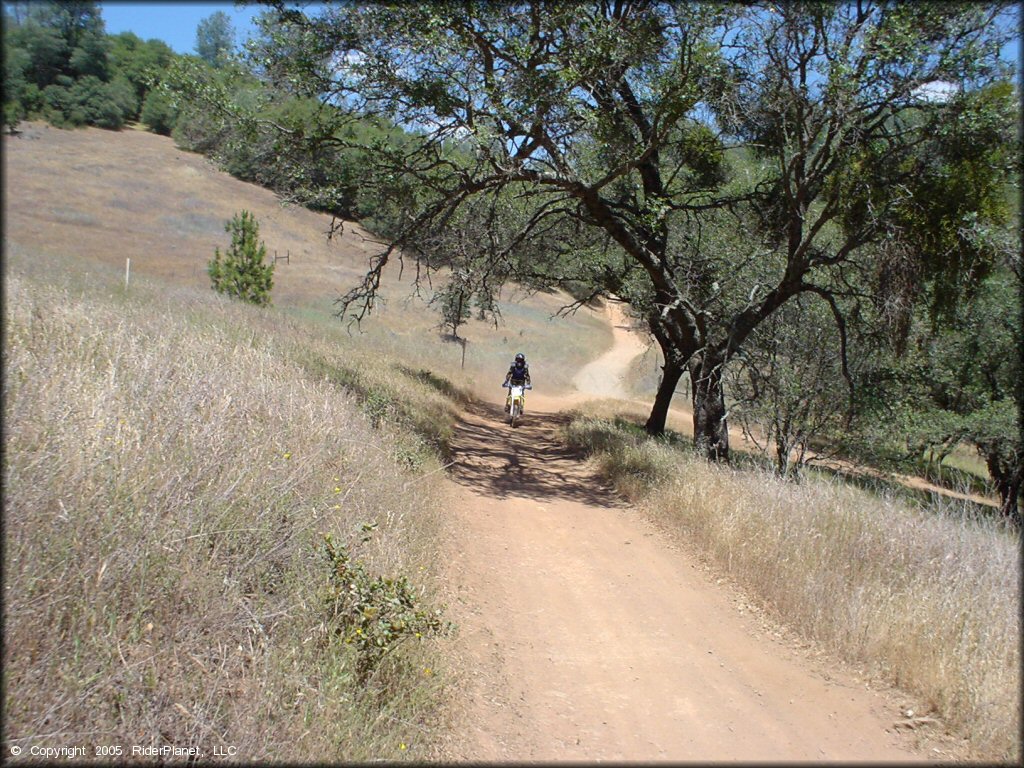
(589, 636)
(605, 376)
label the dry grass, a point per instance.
(132, 195)
(171, 459)
(926, 598)
(169, 465)
(406, 329)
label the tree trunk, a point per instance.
(710, 431)
(782, 451)
(672, 371)
(1008, 481)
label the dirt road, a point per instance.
(589, 636)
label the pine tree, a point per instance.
(241, 273)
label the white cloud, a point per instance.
(937, 91)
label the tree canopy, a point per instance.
(215, 39)
(705, 162)
(61, 66)
(741, 175)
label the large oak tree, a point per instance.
(603, 144)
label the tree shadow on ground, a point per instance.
(529, 461)
(439, 383)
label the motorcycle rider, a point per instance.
(518, 373)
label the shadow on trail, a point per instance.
(528, 461)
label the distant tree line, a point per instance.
(61, 66)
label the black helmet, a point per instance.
(520, 357)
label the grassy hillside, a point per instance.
(171, 463)
(105, 197)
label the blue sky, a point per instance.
(174, 23)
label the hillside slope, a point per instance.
(109, 197)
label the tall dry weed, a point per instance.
(926, 597)
(168, 468)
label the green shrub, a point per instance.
(373, 614)
(87, 101)
(242, 273)
(158, 112)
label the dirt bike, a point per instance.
(516, 396)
